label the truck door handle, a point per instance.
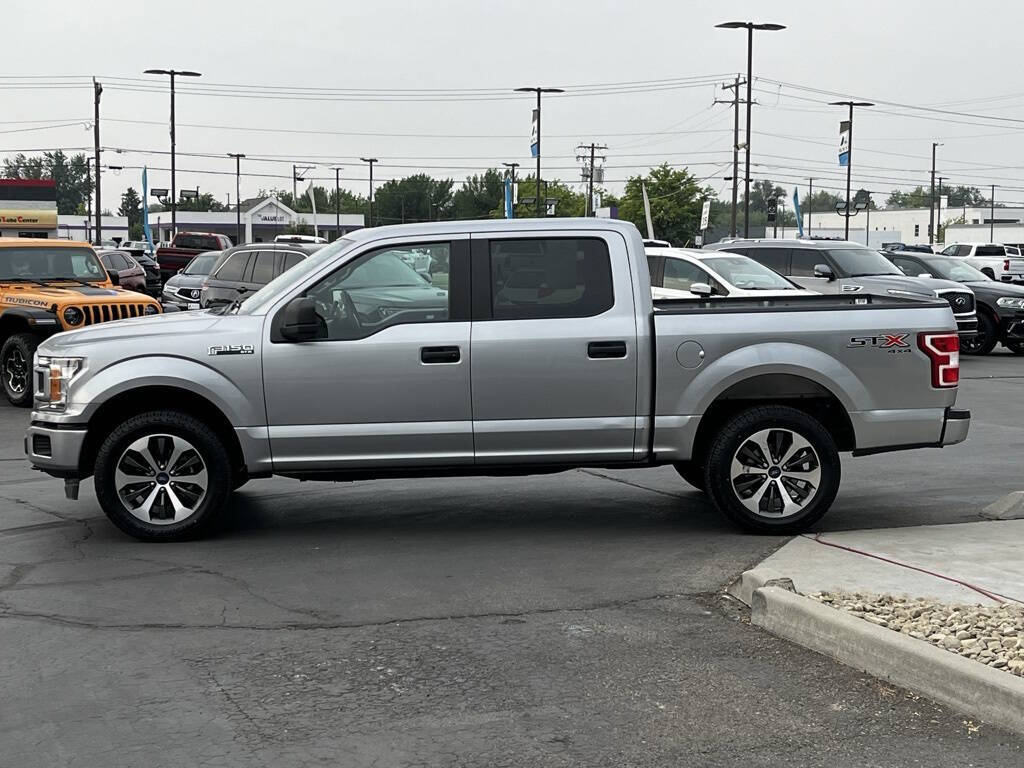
(602, 350)
(433, 355)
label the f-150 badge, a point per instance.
(232, 349)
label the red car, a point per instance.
(123, 270)
(185, 245)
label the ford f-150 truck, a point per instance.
(184, 247)
(542, 352)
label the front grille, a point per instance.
(102, 313)
(961, 302)
(41, 445)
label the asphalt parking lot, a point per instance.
(563, 620)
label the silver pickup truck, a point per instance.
(540, 351)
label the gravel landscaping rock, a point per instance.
(990, 634)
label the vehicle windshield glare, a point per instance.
(283, 282)
(202, 264)
(862, 262)
(954, 269)
(384, 271)
(42, 263)
(747, 274)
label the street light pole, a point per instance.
(337, 201)
(512, 175)
(938, 212)
(172, 73)
(992, 217)
(931, 208)
(810, 204)
(97, 89)
(539, 90)
(750, 27)
(849, 158)
(369, 202)
(238, 195)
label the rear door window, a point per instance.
(290, 260)
(263, 270)
(773, 258)
(990, 250)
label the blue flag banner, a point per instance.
(535, 135)
(145, 211)
(844, 143)
(799, 217)
(509, 210)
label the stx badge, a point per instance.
(895, 343)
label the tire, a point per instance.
(144, 447)
(16, 367)
(986, 338)
(692, 472)
(740, 445)
(1017, 347)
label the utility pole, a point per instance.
(539, 90)
(931, 208)
(810, 204)
(938, 212)
(88, 199)
(369, 201)
(588, 170)
(867, 224)
(992, 217)
(849, 159)
(512, 173)
(97, 89)
(337, 200)
(238, 195)
(735, 147)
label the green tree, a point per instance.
(863, 196)
(676, 200)
(822, 202)
(131, 206)
(960, 196)
(919, 197)
(568, 202)
(414, 198)
(480, 196)
(203, 202)
(70, 175)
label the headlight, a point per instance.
(73, 316)
(1010, 302)
(151, 309)
(53, 377)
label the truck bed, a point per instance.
(724, 304)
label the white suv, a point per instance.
(1000, 262)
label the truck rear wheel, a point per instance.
(163, 476)
(16, 367)
(773, 469)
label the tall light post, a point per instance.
(849, 156)
(172, 73)
(931, 211)
(938, 211)
(750, 27)
(369, 202)
(238, 195)
(539, 90)
(992, 217)
(337, 200)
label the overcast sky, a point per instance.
(936, 53)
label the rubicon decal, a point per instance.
(892, 342)
(232, 349)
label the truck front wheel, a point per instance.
(16, 367)
(773, 469)
(163, 476)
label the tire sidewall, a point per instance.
(26, 343)
(742, 427)
(991, 335)
(212, 451)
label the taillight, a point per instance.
(1006, 265)
(943, 350)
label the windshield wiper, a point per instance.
(69, 279)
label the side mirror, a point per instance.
(701, 289)
(115, 278)
(925, 274)
(425, 275)
(299, 320)
(825, 271)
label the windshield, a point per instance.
(41, 263)
(747, 274)
(862, 262)
(202, 264)
(283, 282)
(202, 242)
(954, 269)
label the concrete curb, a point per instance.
(749, 581)
(1009, 507)
(992, 695)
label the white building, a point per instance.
(74, 227)
(909, 225)
(261, 222)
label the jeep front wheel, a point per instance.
(163, 476)
(16, 367)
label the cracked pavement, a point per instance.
(566, 620)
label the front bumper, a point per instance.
(55, 448)
(956, 426)
(967, 326)
(1012, 328)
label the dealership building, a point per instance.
(262, 220)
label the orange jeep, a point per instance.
(48, 286)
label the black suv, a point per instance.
(247, 268)
(1000, 305)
